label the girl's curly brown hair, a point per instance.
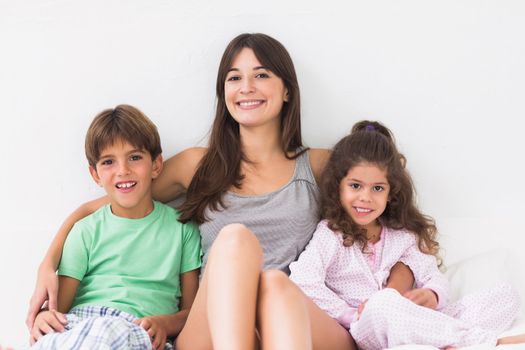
(373, 143)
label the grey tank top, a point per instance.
(283, 220)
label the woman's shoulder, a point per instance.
(318, 159)
(193, 153)
(177, 173)
(189, 158)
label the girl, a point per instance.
(370, 223)
(255, 172)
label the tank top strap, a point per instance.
(304, 170)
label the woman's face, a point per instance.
(254, 95)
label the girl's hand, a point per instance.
(156, 330)
(360, 309)
(47, 322)
(423, 296)
(46, 289)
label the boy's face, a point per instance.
(126, 174)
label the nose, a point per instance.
(123, 169)
(247, 85)
(364, 196)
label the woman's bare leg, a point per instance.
(288, 319)
(282, 314)
(223, 313)
(512, 339)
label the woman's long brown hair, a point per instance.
(220, 168)
(373, 143)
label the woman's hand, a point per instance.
(156, 329)
(46, 289)
(423, 296)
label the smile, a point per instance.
(250, 103)
(125, 185)
(362, 210)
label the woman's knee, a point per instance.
(276, 283)
(235, 239)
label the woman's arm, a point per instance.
(318, 159)
(177, 174)
(47, 282)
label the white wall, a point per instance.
(446, 76)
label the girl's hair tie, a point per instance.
(370, 127)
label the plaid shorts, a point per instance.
(98, 327)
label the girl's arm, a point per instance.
(47, 282)
(401, 278)
(431, 285)
(310, 270)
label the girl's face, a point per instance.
(254, 95)
(364, 194)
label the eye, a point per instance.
(378, 188)
(106, 162)
(233, 78)
(262, 75)
(355, 186)
(135, 157)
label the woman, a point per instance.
(256, 172)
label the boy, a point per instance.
(124, 267)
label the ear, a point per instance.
(157, 167)
(94, 175)
(285, 97)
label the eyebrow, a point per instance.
(373, 183)
(254, 68)
(136, 150)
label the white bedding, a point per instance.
(481, 271)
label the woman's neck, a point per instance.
(261, 144)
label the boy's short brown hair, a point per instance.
(122, 123)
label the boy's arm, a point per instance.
(52, 320)
(161, 326)
(67, 289)
(47, 283)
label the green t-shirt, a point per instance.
(133, 265)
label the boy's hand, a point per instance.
(47, 322)
(156, 329)
(423, 296)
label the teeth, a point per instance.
(363, 210)
(126, 184)
(249, 103)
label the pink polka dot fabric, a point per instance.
(339, 279)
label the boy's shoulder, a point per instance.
(94, 218)
(168, 210)
(167, 214)
(171, 216)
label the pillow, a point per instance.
(480, 271)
